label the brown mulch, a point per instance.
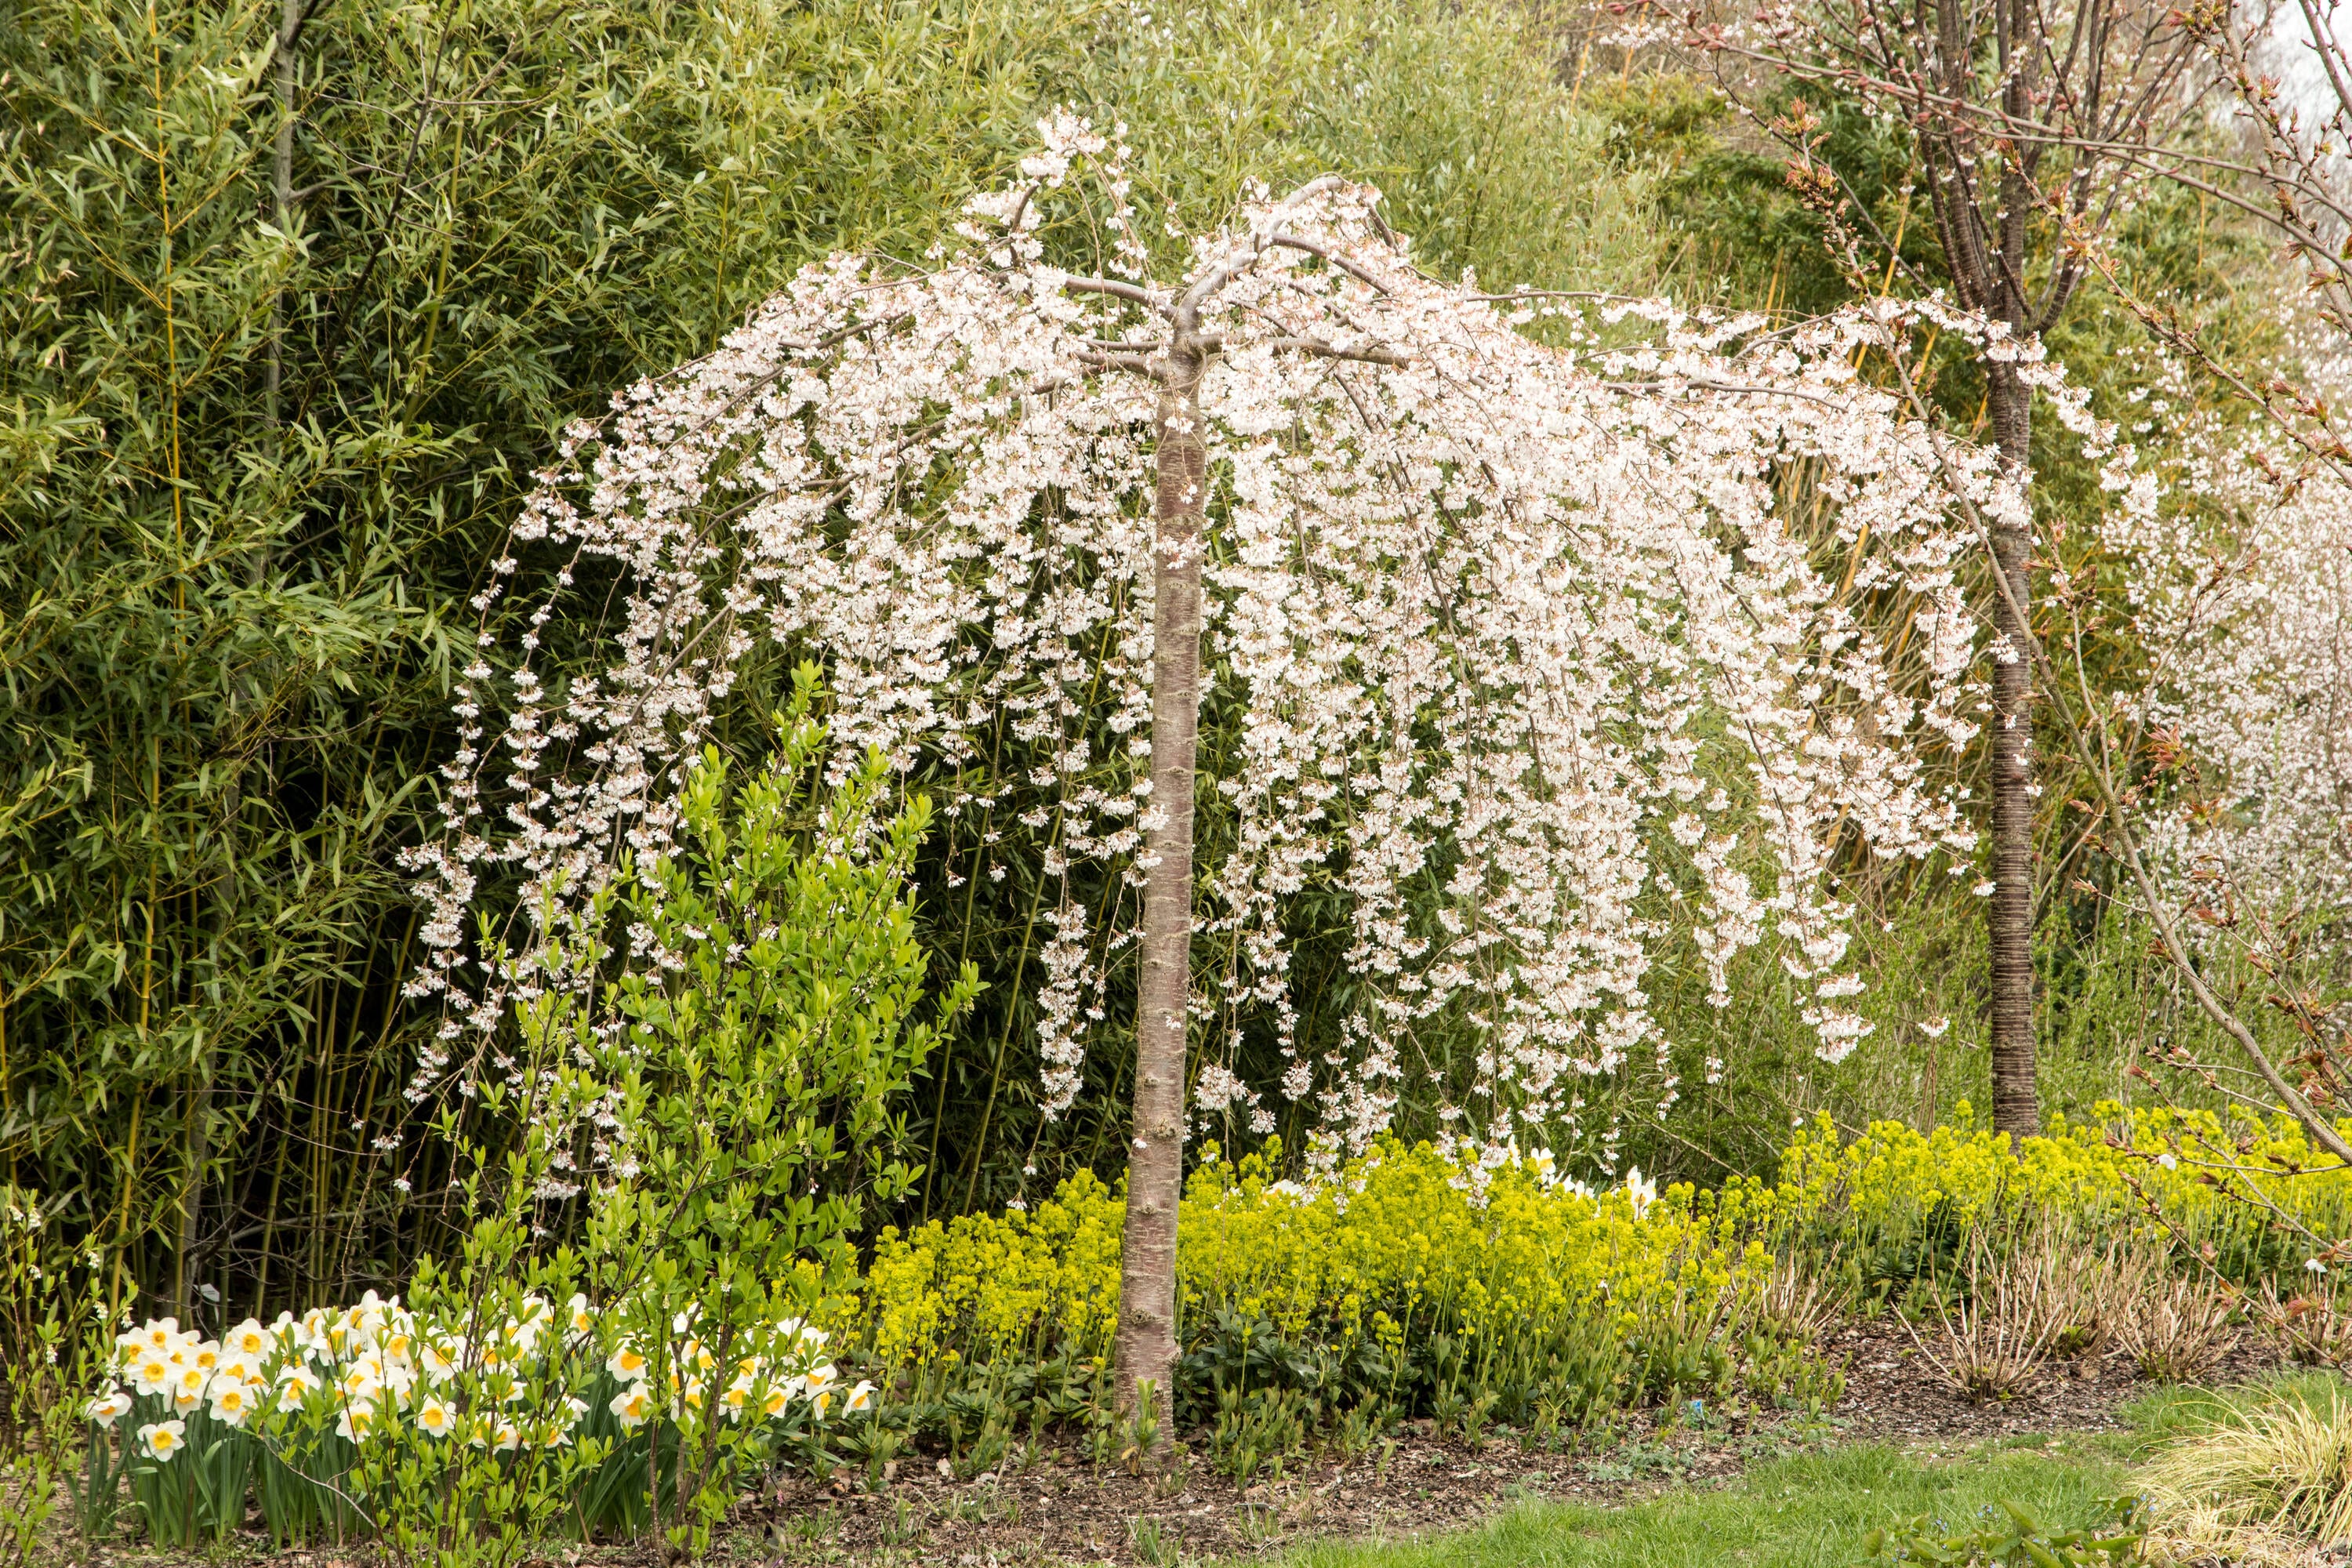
(1060, 1511)
(1892, 1396)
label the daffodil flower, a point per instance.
(295, 1387)
(232, 1400)
(150, 1373)
(187, 1387)
(248, 1339)
(162, 1439)
(632, 1405)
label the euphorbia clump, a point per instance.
(1506, 597)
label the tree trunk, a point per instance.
(281, 203)
(1146, 1347)
(2015, 1108)
(199, 1151)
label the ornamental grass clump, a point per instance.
(1993, 1342)
(2174, 1326)
(2268, 1479)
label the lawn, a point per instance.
(1813, 1511)
(1817, 1511)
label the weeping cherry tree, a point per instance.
(1531, 670)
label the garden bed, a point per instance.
(1388, 1354)
(1058, 1509)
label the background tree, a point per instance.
(2284, 171)
(2024, 120)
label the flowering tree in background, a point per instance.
(2288, 73)
(2244, 600)
(2220, 778)
(2029, 122)
(1522, 651)
(2239, 730)
(2249, 628)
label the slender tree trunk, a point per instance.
(2015, 1108)
(281, 203)
(1146, 1347)
(198, 1155)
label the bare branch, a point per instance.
(1117, 290)
(1331, 258)
(1328, 349)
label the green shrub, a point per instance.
(52, 1334)
(755, 1084)
(724, 1117)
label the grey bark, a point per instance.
(1145, 1346)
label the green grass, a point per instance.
(1815, 1511)
(1809, 1512)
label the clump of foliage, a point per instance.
(429, 1428)
(1407, 1286)
(770, 1009)
(750, 1082)
(2013, 1538)
(1391, 1288)
(2246, 1191)
(52, 1308)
